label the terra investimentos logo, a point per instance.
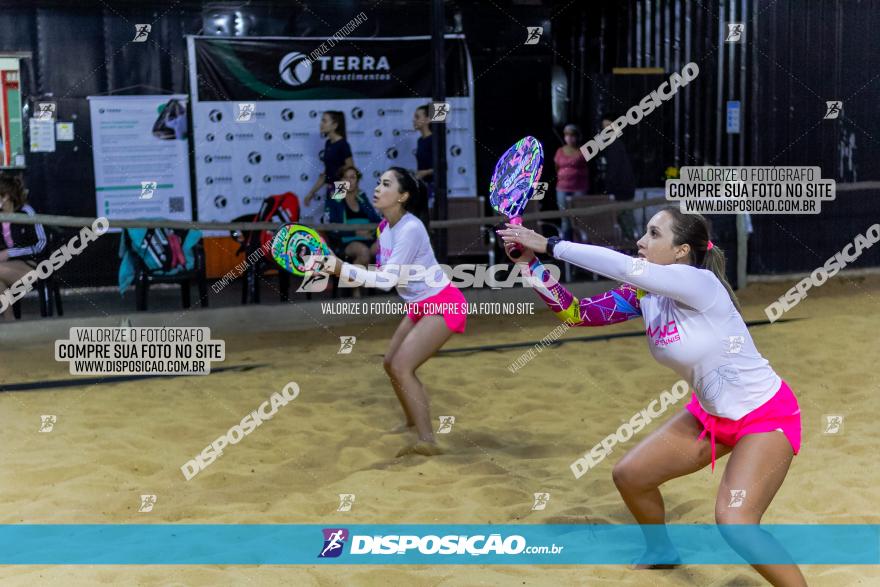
(295, 69)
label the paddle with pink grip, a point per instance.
(513, 181)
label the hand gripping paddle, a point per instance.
(513, 181)
(294, 244)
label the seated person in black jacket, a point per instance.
(21, 245)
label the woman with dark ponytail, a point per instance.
(21, 244)
(695, 327)
(337, 155)
(437, 309)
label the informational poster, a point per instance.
(42, 135)
(63, 131)
(258, 102)
(11, 131)
(141, 156)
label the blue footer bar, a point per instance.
(297, 544)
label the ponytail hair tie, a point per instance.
(709, 246)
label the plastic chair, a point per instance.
(48, 290)
(144, 277)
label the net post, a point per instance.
(441, 206)
(742, 239)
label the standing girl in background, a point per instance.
(437, 307)
(572, 175)
(425, 150)
(337, 154)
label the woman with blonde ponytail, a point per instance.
(694, 325)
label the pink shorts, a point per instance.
(449, 303)
(781, 412)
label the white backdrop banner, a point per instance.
(276, 147)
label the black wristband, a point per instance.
(551, 243)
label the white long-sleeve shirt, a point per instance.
(406, 244)
(692, 326)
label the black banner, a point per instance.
(307, 69)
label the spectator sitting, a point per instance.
(359, 246)
(22, 244)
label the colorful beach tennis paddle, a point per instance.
(513, 181)
(294, 244)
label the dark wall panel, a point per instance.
(789, 243)
(799, 54)
(70, 52)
